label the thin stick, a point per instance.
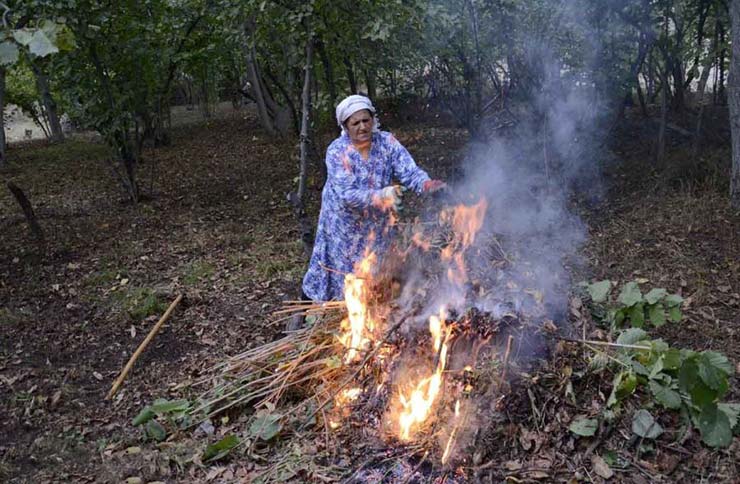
(352, 378)
(506, 357)
(604, 343)
(119, 381)
(337, 271)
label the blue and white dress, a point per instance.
(348, 222)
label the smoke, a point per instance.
(533, 171)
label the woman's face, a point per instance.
(360, 126)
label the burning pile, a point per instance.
(406, 360)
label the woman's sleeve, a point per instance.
(405, 168)
(343, 182)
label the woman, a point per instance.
(358, 197)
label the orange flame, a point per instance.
(466, 222)
(359, 326)
(417, 407)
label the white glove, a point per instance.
(390, 197)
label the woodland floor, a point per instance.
(218, 229)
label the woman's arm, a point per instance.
(405, 168)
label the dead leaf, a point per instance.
(55, 399)
(668, 463)
(600, 467)
(512, 465)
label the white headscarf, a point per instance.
(350, 105)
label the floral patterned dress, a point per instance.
(349, 223)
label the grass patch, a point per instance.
(197, 271)
(60, 153)
(105, 277)
(9, 317)
(140, 302)
(272, 268)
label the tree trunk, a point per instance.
(370, 82)
(733, 87)
(722, 54)
(256, 83)
(297, 198)
(25, 205)
(350, 76)
(331, 86)
(700, 97)
(660, 149)
(3, 144)
(118, 136)
(641, 97)
(42, 83)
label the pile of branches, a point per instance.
(303, 382)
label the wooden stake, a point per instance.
(119, 381)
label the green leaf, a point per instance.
(673, 300)
(674, 313)
(671, 359)
(625, 383)
(656, 314)
(637, 315)
(41, 45)
(23, 36)
(714, 426)
(655, 295)
(143, 417)
(666, 396)
(266, 426)
(732, 410)
(8, 53)
(599, 290)
(631, 336)
(155, 431)
(720, 361)
(630, 294)
(220, 449)
(619, 317)
(713, 376)
(644, 425)
(162, 407)
(65, 40)
(585, 427)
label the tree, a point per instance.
(733, 100)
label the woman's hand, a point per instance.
(389, 198)
(431, 186)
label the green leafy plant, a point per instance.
(631, 307)
(174, 413)
(220, 449)
(677, 379)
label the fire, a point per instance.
(466, 222)
(418, 405)
(359, 326)
(451, 440)
(340, 402)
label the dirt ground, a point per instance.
(218, 230)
